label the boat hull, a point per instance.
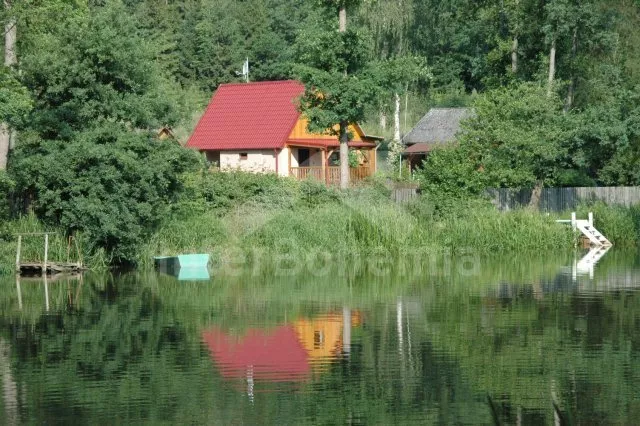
(186, 267)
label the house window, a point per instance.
(244, 155)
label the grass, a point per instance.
(360, 222)
(238, 217)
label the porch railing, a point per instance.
(331, 176)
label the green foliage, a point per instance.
(517, 137)
(97, 69)
(84, 68)
(451, 172)
(332, 67)
(6, 190)
(113, 185)
(317, 193)
(15, 102)
(225, 190)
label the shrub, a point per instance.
(6, 188)
(111, 184)
(228, 189)
(313, 193)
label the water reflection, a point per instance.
(505, 344)
(291, 352)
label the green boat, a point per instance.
(186, 267)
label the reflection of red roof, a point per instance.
(248, 116)
(329, 143)
(275, 355)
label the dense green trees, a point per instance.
(86, 159)
(557, 84)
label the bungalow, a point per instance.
(439, 127)
(257, 127)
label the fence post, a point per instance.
(591, 219)
(573, 220)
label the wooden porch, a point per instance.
(331, 174)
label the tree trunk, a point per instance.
(344, 137)
(383, 120)
(10, 34)
(344, 155)
(572, 84)
(9, 60)
(396, 119)
(552, 67)
(514, 55)
(536, 192)
(343, 18)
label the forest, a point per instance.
(86, 84)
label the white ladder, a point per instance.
(588, 230)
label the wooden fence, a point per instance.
(404, 194)
(561, 199)
(331, 175)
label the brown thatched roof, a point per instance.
(438, 126)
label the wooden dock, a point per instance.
(28, 268)
(46, 267)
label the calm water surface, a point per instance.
(470, 341)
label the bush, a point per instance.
(223, 190)
(6, 188)
(111, 184)
(313, 193)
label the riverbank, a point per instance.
(362, 222)
(238, 216)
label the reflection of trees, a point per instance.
(129, 349)
(523, 351)
(117, 355)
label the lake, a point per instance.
(472, 340)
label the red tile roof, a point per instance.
(248, 116)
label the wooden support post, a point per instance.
(289, 158)
(373, 161)
(46, 254)
(324, 166)
(573, 221)
(18, 253)
(591, 219)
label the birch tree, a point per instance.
(10, 33)
(390, 20)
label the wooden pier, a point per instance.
(46, 267)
